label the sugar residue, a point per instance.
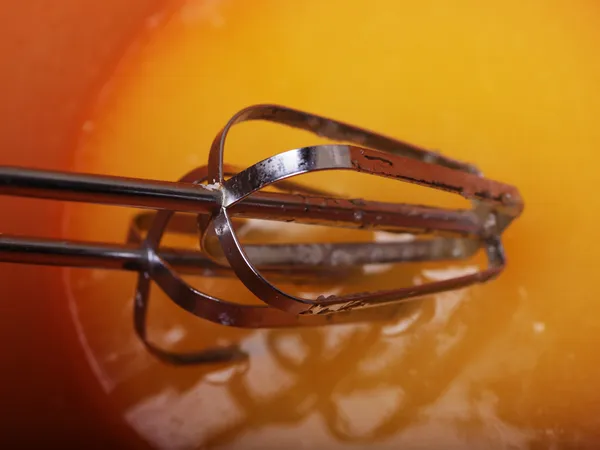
(212, 187)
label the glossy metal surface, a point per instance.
(215, 309)
(196, 198)
(496, 203)
(496, 206)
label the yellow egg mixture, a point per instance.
(510, 86)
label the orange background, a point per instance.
(54, 56)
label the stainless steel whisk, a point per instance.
(216, 194)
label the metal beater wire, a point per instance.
(217, 194)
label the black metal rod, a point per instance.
(303, 257)
(189, 197)
(56, 252)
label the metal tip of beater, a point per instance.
(208, 201)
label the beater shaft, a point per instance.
(200, 199)
(316, 259)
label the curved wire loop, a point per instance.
(496, 203)
(495, 206)
(214, 309)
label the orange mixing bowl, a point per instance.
(510, 86)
